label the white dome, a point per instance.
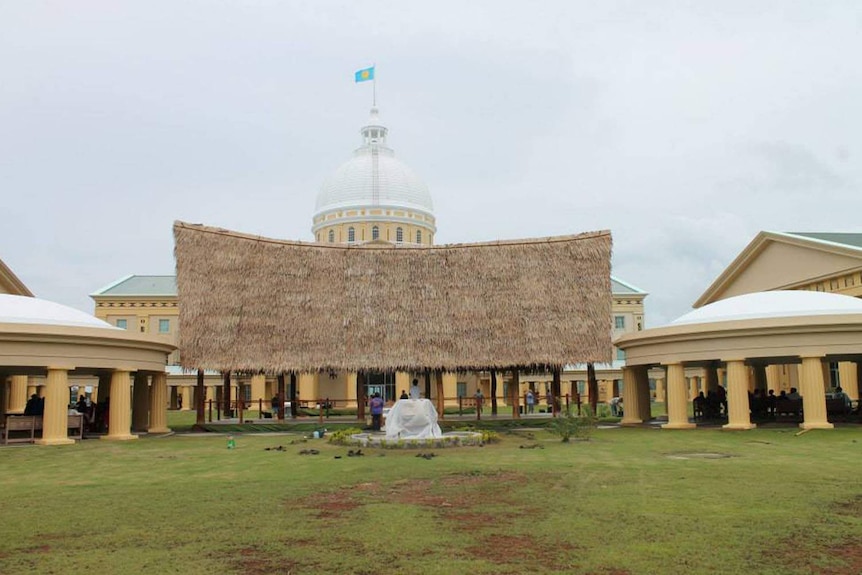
(373, 177)
(353, 185)
(31, 310)
(794, 303)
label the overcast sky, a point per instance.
(683, 127)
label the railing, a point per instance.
(237, 409)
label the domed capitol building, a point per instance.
(371, 197)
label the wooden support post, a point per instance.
(293, 401)
(493, 392)
(225, 393)
(200, 396)
(513, 393)
(441, 400)
(593, 387)
(361, 393)
(556, 389)
(280, 410)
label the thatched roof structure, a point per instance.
(252, 304)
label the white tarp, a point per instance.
(412, 419)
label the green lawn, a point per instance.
(629, 501)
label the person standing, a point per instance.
(531, 401)
(376, 405)
(414, 390)
(479, 400)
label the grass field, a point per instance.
(628, 501)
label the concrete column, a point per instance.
(119, 418)
(173, 396)
(644, 398)
(660, 391)
(773, 378)
(450, 388)
(141, 402)
(710, 379)
(159, 404)
(17, 394)
(402, 383)
(31, 389)
(631, 398)
(309, 387)
(350, 389)
(738, 412)
(812, 387)
(55, 420)
(258, 389)
(848, 376)
(692, 387)
(677, 401)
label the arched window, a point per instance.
(375, 233)
(399, 235)
(331, 236)
(351, 235)
(418, 236)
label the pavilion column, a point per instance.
(31, 389)
(692, 387)
(738, 411)
(450, 386)
(141, 402)
(631, 398)
(660, 391)
(173, 394)
(858, 379)
(55, 419)
(17, 394)
(847, 377)
(350, 389)
(812, 387)
(159, 404)
(308, 387)
(402, 383)
(677, 402)
(773, 378)
(644, 398)
(710, 379)
(5, 384)
(119, 417)
(258, 389)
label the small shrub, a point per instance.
(567, 425)
(343, 436)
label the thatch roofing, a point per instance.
(252, 304)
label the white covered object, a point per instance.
(412, 419)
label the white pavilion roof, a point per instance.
(35, 311)
(790, 303)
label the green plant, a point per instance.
(344, 436)
(567, 425)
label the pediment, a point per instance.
(781, 261)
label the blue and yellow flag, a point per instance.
(365, 74)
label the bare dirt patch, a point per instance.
(848, 555)
(696, 455)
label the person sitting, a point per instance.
(794, 395)
(839, 394)
(34, 406)
(699, 405)
(404, 395)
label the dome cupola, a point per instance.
(374, 189)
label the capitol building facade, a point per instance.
(371, 197)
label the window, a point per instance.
(418, 236)
(246, 393)
(462, 389)
(619, 321)
(375, 233)
(399, 235)
(351, 235)
(331, 236)
(621, 354)
(121, 323)
(164, 326)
